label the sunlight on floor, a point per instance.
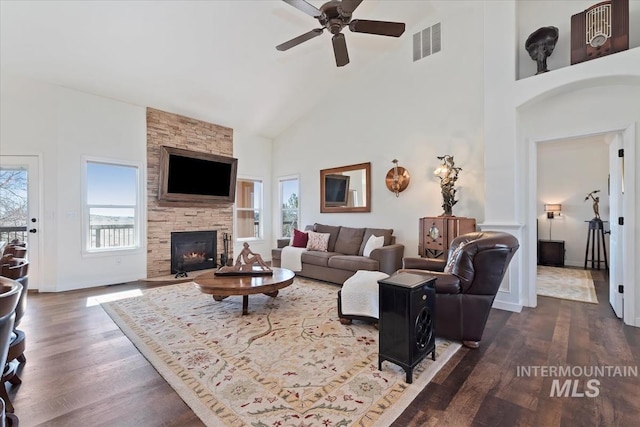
(115, 296)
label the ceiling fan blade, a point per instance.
(340, 50)
(302, 38)
(383, 28)
(348, 6)
(305, 7)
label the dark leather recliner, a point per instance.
(467, 282)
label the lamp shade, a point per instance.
(552, 209)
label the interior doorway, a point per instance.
(596, 167)
(572, 191)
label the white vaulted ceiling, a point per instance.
(211, 60)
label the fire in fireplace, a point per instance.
(193, 250)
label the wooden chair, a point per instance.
(16, 269)
(18, 250)
(10, 292)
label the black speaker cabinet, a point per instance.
(406, 320)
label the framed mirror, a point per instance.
(346, 189)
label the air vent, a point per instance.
(436, 38)
(427, 42)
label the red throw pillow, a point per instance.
(300, 239)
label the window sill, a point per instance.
(250, 239)
(97, 253)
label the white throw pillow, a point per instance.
(373, 243)
(318, 241)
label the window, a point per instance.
(248, 209)
(111, 206)
(13, 203)
(289, 205)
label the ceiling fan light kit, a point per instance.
(334, 16)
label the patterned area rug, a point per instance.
(289, 362)
(566, 283)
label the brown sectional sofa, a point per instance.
(344, 254)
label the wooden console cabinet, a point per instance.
(437, 233)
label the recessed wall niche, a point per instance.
(531, 15)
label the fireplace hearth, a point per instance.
(192, 251)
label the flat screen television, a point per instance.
(195, 177)
(336, 190)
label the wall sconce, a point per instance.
(397, 178)
(448, 174)
(552, 209)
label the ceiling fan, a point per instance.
(334, 16)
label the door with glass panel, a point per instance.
(19, 208)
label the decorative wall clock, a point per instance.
(600, 30)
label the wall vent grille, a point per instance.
(427, 42)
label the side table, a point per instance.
(551, 252)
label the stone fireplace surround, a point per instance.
(178, 131)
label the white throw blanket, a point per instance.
(291, 258)
(359, 294)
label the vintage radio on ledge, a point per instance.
(600, 30)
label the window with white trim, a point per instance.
(289, 205)
(111, 211)
(248, 209)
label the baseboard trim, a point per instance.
(507, 306)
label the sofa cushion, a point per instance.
(368, 232)
(317, 241)
(349, 240)
(317, 258)
(374, 242)
(352, 262)
(333, 234)
(300, 239)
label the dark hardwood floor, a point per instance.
(82, 371)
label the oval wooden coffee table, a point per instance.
(221, 287)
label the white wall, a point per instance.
(567, 171)
(254, 161)
(28, 118)
(601, 95)
(532, 15)
(412, 111)
(547, 119)
(63, 125)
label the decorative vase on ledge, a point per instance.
(540, 45)
(448, 200)
(448, 174)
